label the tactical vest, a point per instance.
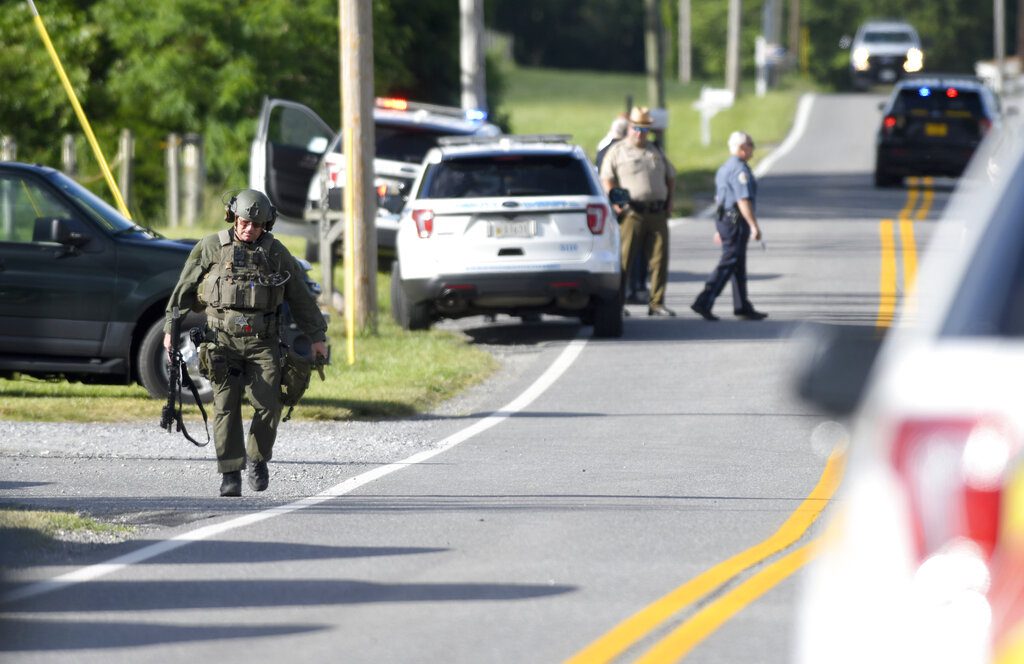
(243, 289)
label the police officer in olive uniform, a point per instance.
(641, 167)
(735, 223)
(240, 277)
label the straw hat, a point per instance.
(640, 116)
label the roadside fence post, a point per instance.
(173, 190)
(125, 155)
(8, 148)
(68, 156)
(192, 166)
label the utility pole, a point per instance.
(356, 25)
(793, 31)
(732, 49)
(1020, 29)
(471, 54)
(686, 43)
(999, 28)
(653, 55)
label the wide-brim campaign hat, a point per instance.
(640, 116)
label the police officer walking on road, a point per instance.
(639, 166)
(735, 223)
(240, 277)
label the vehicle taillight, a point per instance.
(424, 222)
(597, 214)
(953, 473)
(889, 123)
(393, 103)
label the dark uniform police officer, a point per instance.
(735, 223)
(639, 166)
(240, 277)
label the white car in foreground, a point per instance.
(923, 560)
(513, 224)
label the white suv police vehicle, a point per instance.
(296, 159)
(884, 52)
(513, 224)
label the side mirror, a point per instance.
(618, 196)
(845, 42)
(835, 363)
(62, 231)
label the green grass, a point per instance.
(32, 530)
(583, 104)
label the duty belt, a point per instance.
(243, 323)
(647, 206)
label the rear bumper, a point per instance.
(563, 293)
(924, 159)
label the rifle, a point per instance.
(177, 375)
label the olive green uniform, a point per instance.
(241, 286)
(647, 174)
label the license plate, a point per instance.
(935, 129)
(512, 228)
(887, 75)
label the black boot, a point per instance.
(231, 485)
(259, 476)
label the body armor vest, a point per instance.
(244, 282)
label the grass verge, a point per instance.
(38, 529)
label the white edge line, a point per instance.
(93, 572)
(803, 112)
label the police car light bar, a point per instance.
(398, 104)
(449, 141)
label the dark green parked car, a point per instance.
(82, 289)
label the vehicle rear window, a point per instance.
(965, 105)
(511, 175)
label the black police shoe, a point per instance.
(659, 310)
(231, 485)
(703, 311)
(259, 476)
(750, 314)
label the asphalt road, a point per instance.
(524, 521)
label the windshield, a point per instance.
(888, 37)
(97, 209)
(511, 175)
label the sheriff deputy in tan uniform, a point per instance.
(240, 277)
(639, 166)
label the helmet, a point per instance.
(252, 205)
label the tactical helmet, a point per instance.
(252, 205)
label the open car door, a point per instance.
(290, 140)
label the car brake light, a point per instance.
(382, 191)
(888, 123)
(952, 93)
(393, 103)
(953, 472)
(597, 214)
(424, 222)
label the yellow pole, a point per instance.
(350, 249)
(78, 111)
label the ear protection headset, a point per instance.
(252, 205)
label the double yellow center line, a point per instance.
(920, 194)
(681, 639)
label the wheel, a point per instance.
(408, 315)
(532, 317)
(885, 179)
(608, 319)
(152, 364)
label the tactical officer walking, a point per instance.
(735, 223)
(641, 167)
(240, 277)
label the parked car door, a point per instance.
(55, 296)
(290, 139)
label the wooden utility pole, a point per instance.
(793, 31)
(686, 44)
(356, 26)
(732, 49)
(653, 55)
(999, 30)
(471, 54)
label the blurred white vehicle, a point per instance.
(923, 559)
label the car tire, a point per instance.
(408, 315)
(608, 319)
(883, 179)
(152, 363)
